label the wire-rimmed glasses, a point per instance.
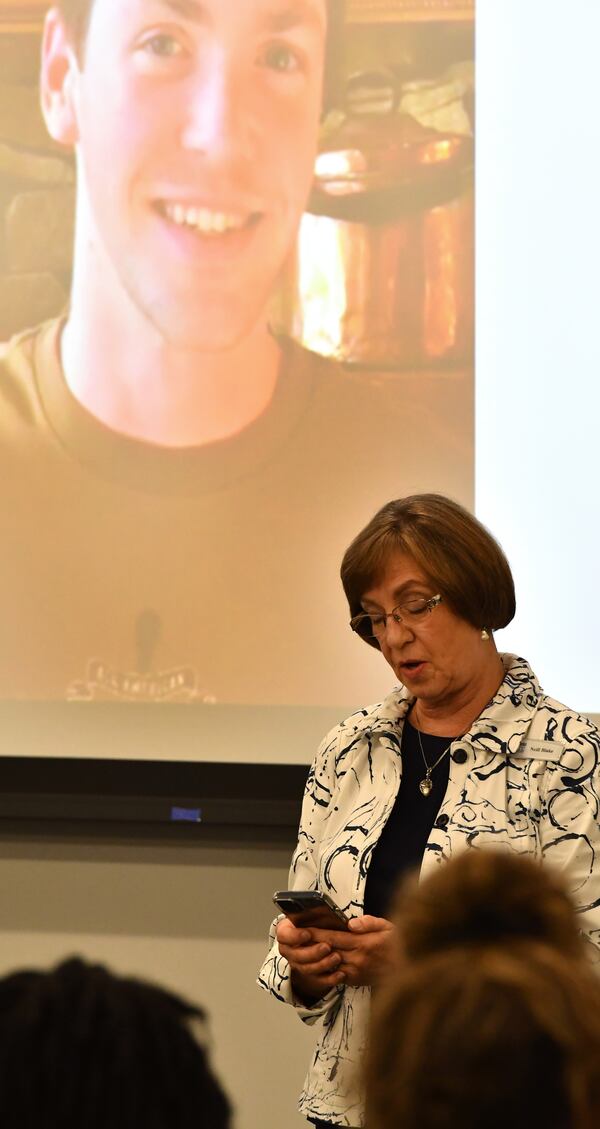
(373, 625)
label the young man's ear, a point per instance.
(57, 80)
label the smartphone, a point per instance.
(310, 908)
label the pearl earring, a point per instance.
(485, 633)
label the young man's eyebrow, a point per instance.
(294, 13)
(192, 10)
(278, 19)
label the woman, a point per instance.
(468, 751)
(492, 1016)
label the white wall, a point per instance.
(538, 346)
(192, 916)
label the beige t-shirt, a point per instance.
(136, 572)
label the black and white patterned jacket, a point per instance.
(525, 777)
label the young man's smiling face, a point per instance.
(195, 124)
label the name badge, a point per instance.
(540, 750)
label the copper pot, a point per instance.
(383, 273)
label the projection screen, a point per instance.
(172, 531)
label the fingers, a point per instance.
(339, 941)
(316, 979)
(288, 934)
(333, 980)
(310, 957)
(329, 969)
(298, 946)
(314, 959)
(310, 988)
(345, 940)
(329, 936)
(325, 958)
(369, 924)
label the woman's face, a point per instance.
(440, 658)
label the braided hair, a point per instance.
(82, 1048)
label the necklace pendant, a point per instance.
(425, 786)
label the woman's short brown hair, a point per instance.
(493, 1014)
(462, 560)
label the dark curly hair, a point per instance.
(82, 1048)
(492, 1017)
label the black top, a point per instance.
(402, 842)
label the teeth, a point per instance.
(202, 219)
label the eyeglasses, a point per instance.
(373, 625)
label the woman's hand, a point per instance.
(314, 965)
(367, 951)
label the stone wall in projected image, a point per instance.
(36, 196)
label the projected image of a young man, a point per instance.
(177, 480)
(195, 128)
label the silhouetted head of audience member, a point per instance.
(492, 1018)
(82, 1048)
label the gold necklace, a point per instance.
(426, 784)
